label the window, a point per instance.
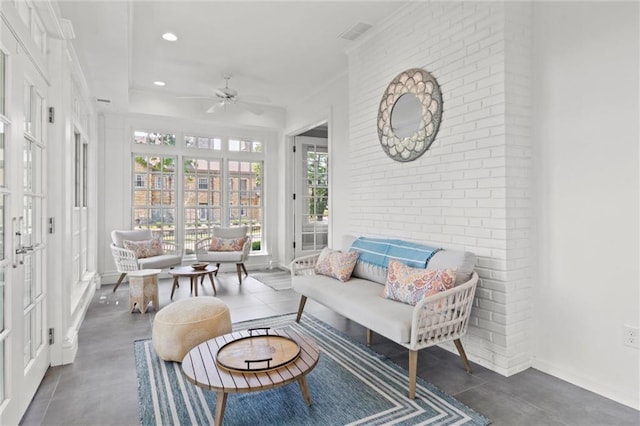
(203, 213)
(214, 189)
(158, 181)
(78, 170)
(2, 82)
(154, 207)
(203, 142)
(146, 138)
(245, 196)
(202, 198)
(244, 146)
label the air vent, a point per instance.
(355, 31)
(104, 101)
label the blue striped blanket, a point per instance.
(378, 251)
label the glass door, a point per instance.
(311, 195)
(24, 348)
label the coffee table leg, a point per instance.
(175, 284)
(304, 387)
(221, 402)
(212, 283)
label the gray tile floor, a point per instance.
(99, 388)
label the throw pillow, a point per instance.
(411, 285)
(227, 244)
(336, 264)
(147, 248)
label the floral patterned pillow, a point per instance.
(145, 248)
(336, 264)
(411, 285)
(227, 244)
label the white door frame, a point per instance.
(289, 185)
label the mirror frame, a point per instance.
(425, 87)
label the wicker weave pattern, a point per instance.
(442, 317)
(127, 261)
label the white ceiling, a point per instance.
(276, 51)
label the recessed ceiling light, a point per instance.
(169, 36)
(159, 83)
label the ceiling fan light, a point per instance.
(170, 36)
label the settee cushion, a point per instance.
(462, 261)
(361, 301)
(410, 285)
(336, 264)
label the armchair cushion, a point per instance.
(220, 256)
(118, 237)
(227, 244)
(411, 285)
(146, 248)
(161, 261)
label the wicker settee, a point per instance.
(436, 319)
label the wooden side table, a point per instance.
(143, 288)
(201, 368)
(193, 274)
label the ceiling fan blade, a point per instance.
(250, 107)
(216, 107)
(197, 97)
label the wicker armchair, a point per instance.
(127, 261)
(204, 253)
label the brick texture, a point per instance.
(472, 190)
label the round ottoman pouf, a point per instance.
(184, 324)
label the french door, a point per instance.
(311, 195)
(24, 349)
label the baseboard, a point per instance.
(612, 393)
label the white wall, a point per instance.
(471, 189)
(552, 213)
(587, 72)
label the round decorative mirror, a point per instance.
(409, 115)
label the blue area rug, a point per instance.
(350, 385)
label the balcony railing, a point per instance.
(193, 234)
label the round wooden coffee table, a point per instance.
(193, 274)
(201, 368)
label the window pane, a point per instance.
(27, 107)
(146, 138)
(2, 84)
(203, 142)
(202, 195)
(245, 197)
(244, 146)
(2, 227)
(154, 205)
(1, 154)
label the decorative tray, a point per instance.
(260, 352)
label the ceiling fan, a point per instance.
(226, 96)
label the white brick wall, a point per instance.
(472, 189)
